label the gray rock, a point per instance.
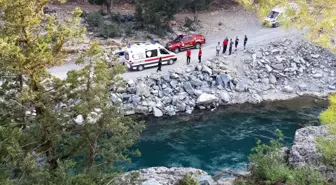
(315, 56)
(181, 107)
(136, 99)
(131, 90)
(318, 75)
(303, 87)
(255, 99)
(199, 68)
(166, 100)
(268, 68)
(141, 109)
(188, 88)
(265, 81)
(173, 84)
(206, 98)
(151, 182)
(272, 79)
(198, 92)
(288, 89)
(241, 86)
(166, 77)
(156, 87)
(131, 83)
(196, 82)
(182, 95)
(206, 70)
(157, 112)
(332, 87)
(206, 180)
(170, 110)
(142, 90)
(275, 51)
(167, 91)
(278, 66)
(174, 75)
(224, 96)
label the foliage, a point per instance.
(156, 13)
(269, 167)
(187, 180)
(107, 3)
(327, 145)
(109, 30)
(94, 19)
(318, 16)
(188, 22)
(56, 131)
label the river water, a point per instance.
(221, 139)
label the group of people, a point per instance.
(225, 45)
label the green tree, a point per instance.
(56, 131)
(156, 13)
(319, 16)
(107, 3)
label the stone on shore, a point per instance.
(206, 98)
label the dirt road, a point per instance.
(257, 36)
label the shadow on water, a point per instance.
(221, 139)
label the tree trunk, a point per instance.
(108, 6)
(91, 154)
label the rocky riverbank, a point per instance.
(303, 152)
(278, 71)
(171, 176)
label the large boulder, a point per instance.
(304, 150)
(206, 98)
(188, 88)
(142, 90)
(157, 112)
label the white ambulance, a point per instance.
(143, 55)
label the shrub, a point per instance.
(94, 19)
(187, 180)
(109, 30)
(269, 167)
(188, 22)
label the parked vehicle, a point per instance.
(277, 15)
(183, 42)
(141, 56)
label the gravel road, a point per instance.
(257, 36)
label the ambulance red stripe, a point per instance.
(153, 59)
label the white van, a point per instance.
(273, 19)
(140, 56)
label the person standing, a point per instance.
(225, 44)
(200, 55)
(159, 65)
(188, 56)
(218, 48)
(230, 47)
(236, 43)
(245, 41)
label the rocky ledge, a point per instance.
(278, 71)
(304, 151)
(170, 176)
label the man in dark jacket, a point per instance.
(230, 47)
(236, 43)
(245, 41)
(225, 44)
(159, 65)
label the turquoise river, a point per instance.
(221, 139)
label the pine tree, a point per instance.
(318, 16)
(46, 123)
